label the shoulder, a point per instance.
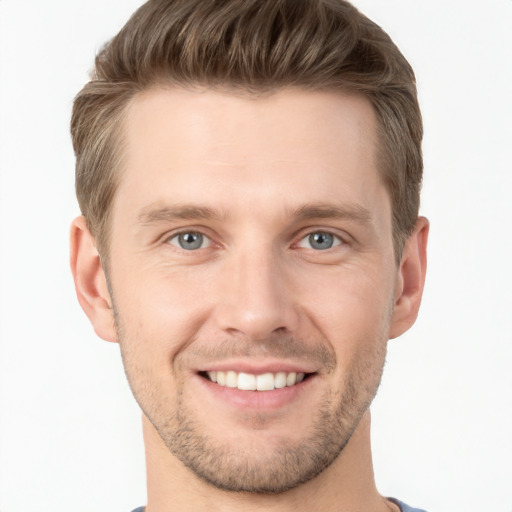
(402, 505)
(140, 509)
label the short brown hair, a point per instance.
(256, 46)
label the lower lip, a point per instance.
(258, 400)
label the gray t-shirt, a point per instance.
(403, 507)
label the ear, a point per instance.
(410, 280)
(90, 282)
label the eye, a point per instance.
(190, 241)
(320, 241)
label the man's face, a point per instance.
(251, 245)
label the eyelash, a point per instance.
(337, 240)
(189, 232)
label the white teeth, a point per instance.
(231, 379)
(249, 382)
(246, 382)
(265, 382)
(280, 380)
(291, 379)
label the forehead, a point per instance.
(275, 120)
(292, 146)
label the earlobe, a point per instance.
(90, 282)
(411, 280)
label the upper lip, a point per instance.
(258, 367)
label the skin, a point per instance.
(255, 176)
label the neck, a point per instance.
(348, 484)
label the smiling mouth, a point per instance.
(250, 382)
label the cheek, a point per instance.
(352, 312)
(162, 307)
(355, 319)
(351, 303)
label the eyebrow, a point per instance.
(155, 213)
(349, 211)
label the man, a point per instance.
(248, 173)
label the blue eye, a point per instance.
(190, 241)
(320, 241)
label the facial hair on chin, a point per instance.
(245, 468)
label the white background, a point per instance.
(70, 437)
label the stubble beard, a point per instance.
(231, 467)
(244, 470)
(293, 463)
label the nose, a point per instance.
(256, 296)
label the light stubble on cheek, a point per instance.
(245, 465)
(249, 467)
